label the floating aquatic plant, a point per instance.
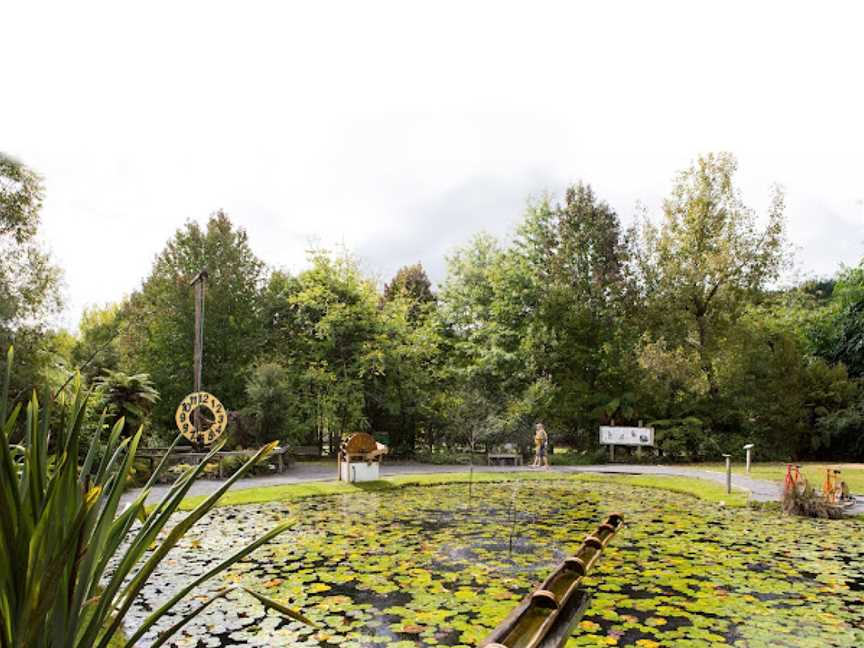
(415, 567)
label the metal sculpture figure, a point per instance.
(793, 477)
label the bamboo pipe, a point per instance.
(545, 618)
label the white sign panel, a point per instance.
(635, 436)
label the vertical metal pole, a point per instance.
(748, 460)
(728, 473)
(612, 445)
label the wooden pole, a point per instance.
(198, 283)
(198, 353)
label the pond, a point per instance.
(427, 566)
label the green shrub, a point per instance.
(586, 458)
(684, 439)
(271, 402)
(230, 464)
(446, 457)
(61, 527)
(127, 396)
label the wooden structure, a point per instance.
(504, 457)
(547, 616)
(359, 458)
(280, 456)
(309, 451)
(200, 417)
(199, 284)
(193, 425)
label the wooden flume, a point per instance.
(546, 617)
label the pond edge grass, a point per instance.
(694, 487)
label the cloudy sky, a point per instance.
(399, 129)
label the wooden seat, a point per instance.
(514, 457)
(186, 455)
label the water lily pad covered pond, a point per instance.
(424, 566)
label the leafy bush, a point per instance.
(230, 464)
(61, 527)
(684, 439)
(126, 396)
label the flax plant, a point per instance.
(72, 560)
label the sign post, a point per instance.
(630, 436)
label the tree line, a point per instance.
(681, 322)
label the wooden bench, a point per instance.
(186, 454)
(504, 457)
(306, 451)
(152, 455)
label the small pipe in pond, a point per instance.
(512, 519)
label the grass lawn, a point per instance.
(852, 474)
(708, 491)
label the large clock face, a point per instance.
(201, 418)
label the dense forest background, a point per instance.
(683, 321)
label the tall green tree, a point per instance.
(273, 404)
(157, 324)
(29, 281)
(707, 261)
(412, 283)
(401, 398)
(96, 350)
(835, 331)
(322, 326)
(582, 325)
(773, 393)
(839, 335)
(486, 304)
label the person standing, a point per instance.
(541, 447)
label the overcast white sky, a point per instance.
(402, 128)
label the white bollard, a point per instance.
(728, 473)
(748, 448)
